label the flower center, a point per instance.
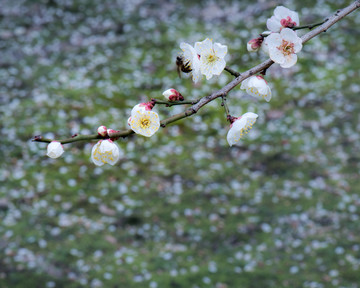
(145, 123)
(211, 58)
(287, 22)
(286, 47)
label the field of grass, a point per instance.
(181, 209)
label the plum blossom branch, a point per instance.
(321, 27)
(340, 14)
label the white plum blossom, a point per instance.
(191, 60)
(257, 86)
(283, 18)
(55, 149)
(102, 130)
(240, 127)
(173, 95)
(283, 46)
(105, 151)
(145, 123)
(211, 57)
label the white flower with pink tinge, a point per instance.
(211, 57)
(105, 151)
(283, 46)
(143, 121)
(283, 18)
(240, 127)
(257, 86)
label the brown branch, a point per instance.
(340, 14)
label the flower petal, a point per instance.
(277, 56)
(273, 24)
(290, 60)
(281, 12)
(205, 46)
(220, 50)
(273, 40)
(289, 35)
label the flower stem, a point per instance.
(224, 104)
(310, 26)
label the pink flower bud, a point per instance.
(102, 131)
(173, 95)
(254, 44)
(112, 134)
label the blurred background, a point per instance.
(182, 208)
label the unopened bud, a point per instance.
(173, 95)
(102, 131)
(254, 44)
(54, 149)
(112, 134)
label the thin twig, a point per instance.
(224, 104)
(231, 71)
(310, 26)
(173, 103)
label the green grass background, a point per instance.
(182, 208)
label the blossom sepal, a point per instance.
(173, 95)
(54, 149)
(105, 151)
(240, 127)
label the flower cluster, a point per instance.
(205, 58)
(281, 43)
